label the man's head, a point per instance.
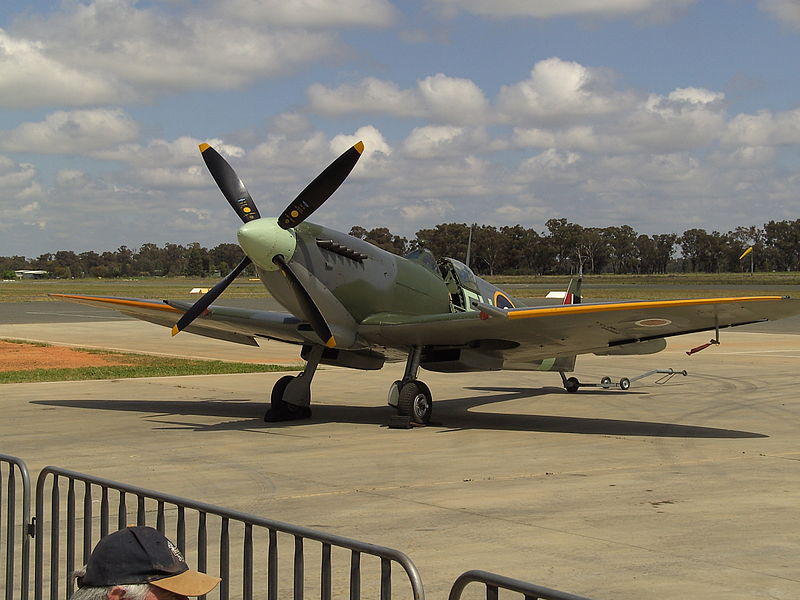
(131, 558)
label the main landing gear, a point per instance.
(291, 395)
(409, 395)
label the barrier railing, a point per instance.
(261, 542)
(73, 511)
(15, 518)
(494, 583)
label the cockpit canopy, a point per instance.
(424, 257)
(464, 274)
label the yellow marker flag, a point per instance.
(746, 252)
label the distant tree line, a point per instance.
(562, 249)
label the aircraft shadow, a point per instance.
(449, 415)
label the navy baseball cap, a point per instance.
(143, 555)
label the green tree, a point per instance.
(446, 239)
(196, 261)
(622, 248)
(565, 240)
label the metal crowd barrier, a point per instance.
(68, 523)
(15, 502)
(188, 523)
(495, 582)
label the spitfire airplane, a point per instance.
(352, 304)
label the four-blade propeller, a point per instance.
(309, 200)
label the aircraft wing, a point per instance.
(240, 325)
(533, 333)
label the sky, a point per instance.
(664, 115)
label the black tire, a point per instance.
(572, 384)
(624, 383)
(276, 397)
(605, 381)
(415, 401)
(279, 409)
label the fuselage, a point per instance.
(368, 280)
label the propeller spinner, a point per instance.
(270, 243)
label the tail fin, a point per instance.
(573, 295)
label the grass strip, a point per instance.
(137, 365)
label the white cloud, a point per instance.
(430, 211)
(15, 176)
(129, 53)
(75, 132)
(310, 13)
(578, 138)
(764, 128)
(21, 199)
(544, 9)
(72, 178)
(439, 98)
(551, 164)
(559, 90)
(30, 77)
(370, 95)
(451, 99)
(434, 141)
(744, 156)
(785, 11)
(374, 142)
(686, 119)
(180, 152)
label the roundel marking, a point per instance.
(653, 322)
(502, 301)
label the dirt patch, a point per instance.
(28, 357)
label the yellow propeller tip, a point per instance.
(331, 343)
(359, 147)
(204, 147)
(175, 330)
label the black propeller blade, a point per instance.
(309, 200)
(205, 301)
(319, 190)
(228, 181)
(310, 309)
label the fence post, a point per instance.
(16, 465)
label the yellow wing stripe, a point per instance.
(579, 309)
(122, 302)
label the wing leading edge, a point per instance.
(240, 325)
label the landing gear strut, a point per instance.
(291, 395)
(410, 396)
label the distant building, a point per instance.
(28, 274)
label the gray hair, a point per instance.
(133, 591)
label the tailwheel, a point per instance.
(281, 410)
(415, 401)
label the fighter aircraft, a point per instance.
(354, 305)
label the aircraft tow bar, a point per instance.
(624, 383)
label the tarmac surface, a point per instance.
(689, 488)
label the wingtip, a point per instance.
(359, 147)
(204, 147)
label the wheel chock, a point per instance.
(400, 422)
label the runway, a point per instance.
(686, 489)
